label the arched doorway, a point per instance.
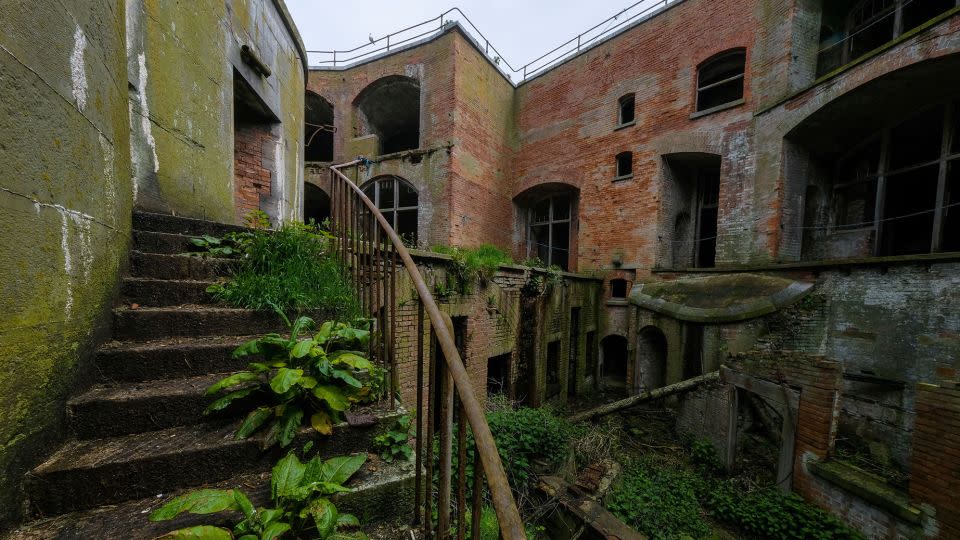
(316, 204)
(390, 109)
(613, 367)
(318, 128)
(651, 358)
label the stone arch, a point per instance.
(318, 128)
(389, 108)
(651, 358)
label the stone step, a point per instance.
(84, 474)
(165, 223)
(164, 243)
(148, 292)
(144, 324)
(168, 358)
(161, 266)
(112, 410)
(382, 495)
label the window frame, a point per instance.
(947, 155)
(549, 224)
(710, 62)
(618, 174)
(395, 209)
(621, 102)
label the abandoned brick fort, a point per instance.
(770, 190)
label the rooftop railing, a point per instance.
(632, 14)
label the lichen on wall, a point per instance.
(65, 201)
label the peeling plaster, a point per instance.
(78, 72)
(145, 110)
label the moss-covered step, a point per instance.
(85, 474)
(149, 323)
(108, 410)
(180, 266)
(164, 243)
(149, 292)
(382, 492)
(168, 358)
(148, 221)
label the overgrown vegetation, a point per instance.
(312, 379)
(472, 265)
(666, 498)
(394, 443)
(301, 508)
(293, 268)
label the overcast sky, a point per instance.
(520, 29)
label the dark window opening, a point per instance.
(390, 109)
(573, 374)
(553, 369)
(549, 234)
(614, 361)
(624, 165)
(692, 350)
(498, 374)
(316, 204)
(693, 203)
(720, 80)
(318, 128)
(618, 288)
(625, 112)
(892, 184)
(852, 28)
(397, 201)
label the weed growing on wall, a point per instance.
(474, 265)
(291, 269)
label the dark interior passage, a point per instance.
(614, 362)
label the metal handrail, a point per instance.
(553, 57)
(511, 526)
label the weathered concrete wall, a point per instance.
(65, 203)
(181, 67)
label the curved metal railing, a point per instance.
(640, 10)
(370, 247)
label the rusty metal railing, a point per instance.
(373, 252)
(636, 12)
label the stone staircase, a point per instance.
(139, 436)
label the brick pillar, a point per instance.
(935, 465)
(817, 418)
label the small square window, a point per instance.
(618, 288)
(626, 110)
(624, 165)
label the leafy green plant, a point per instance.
(293, 268)
(257, 219)
(659, 501)
(313, 378)
(704, 456)
(232, 245)
(394, 443)
(299, 493)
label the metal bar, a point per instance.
(937, 240)
(461, 474)
(428, 414)
(477, 502)
(418, 477)
(503, 502)
(446, 449)
(392, 343)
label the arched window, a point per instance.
(397, 200)
(390, 109)
(720, 80)
(318, 128)
(549, 235)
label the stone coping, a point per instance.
(868, 487)
(720, 298)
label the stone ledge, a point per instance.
(868, 487)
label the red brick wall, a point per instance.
(935, 470)
(251, 174)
